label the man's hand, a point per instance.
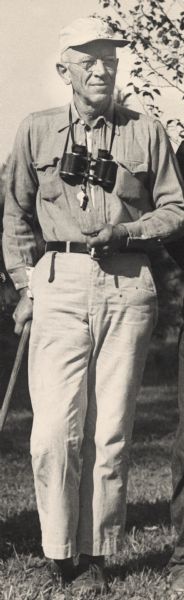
(23, 311)
(107, 239)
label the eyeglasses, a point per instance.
(109, 63)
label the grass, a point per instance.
(139, 572)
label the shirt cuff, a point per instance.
(29, 273)
(134, 230)
(138, 240)
(21, 277)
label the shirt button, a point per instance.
(82, 122)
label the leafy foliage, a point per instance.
(156, 43)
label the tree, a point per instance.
(155, 29)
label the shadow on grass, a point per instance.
(142, 515)
(162, 363)
(161, 420)
(17, 444)
(21, 532)
(156, 561)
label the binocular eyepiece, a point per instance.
(78, 165)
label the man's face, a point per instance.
(92, 71)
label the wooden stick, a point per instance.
(14, 373)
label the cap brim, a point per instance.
(119, 42)
(116, 42)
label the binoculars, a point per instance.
(78, 165)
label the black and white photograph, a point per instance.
(92, 300)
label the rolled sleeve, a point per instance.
(165, 221)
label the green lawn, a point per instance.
(140, 571)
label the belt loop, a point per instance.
(52, 272)
(67, 246)
(94, 255)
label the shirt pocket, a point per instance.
(50, 183)
(132, 180)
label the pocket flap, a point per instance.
(48, 173)
(42, 165)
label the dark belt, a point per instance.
(77, 247)
(81, 248)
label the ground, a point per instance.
(139, 572)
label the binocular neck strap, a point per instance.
(113, 130)
(70, 131)
(71, 125)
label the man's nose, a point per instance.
(99, 67)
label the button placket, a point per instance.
(99, 193)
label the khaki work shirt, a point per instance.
(148, 195)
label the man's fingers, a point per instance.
(93, 231)
(97, 241)
(90, 232)
(19, 323)
(18, 327)
(22, 313)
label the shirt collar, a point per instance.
(106, 118)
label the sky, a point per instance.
(28, 47)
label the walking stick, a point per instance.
(14, 373)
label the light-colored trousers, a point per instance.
(89, 341)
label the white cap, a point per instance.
(88, 29)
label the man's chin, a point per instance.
(100, 95)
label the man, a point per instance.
(176, 563)
(106, 188)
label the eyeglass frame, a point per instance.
(94, 62)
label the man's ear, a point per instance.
(64, 73)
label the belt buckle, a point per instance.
(68, 247)
(93, 254)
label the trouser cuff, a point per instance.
(59, 552)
